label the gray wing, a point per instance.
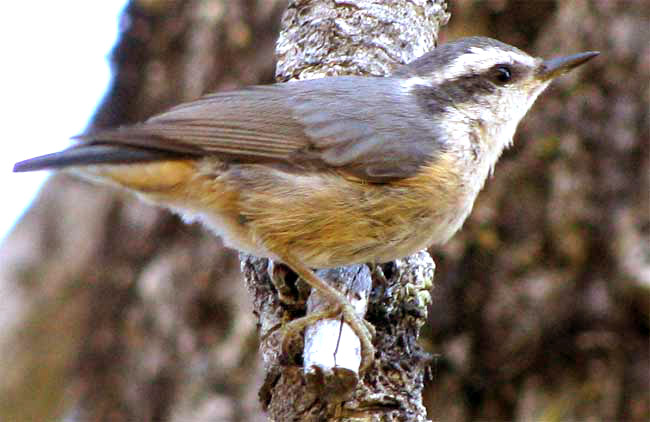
(370, 127)
(360, 125)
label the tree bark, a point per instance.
(324, 38)
(151, 321)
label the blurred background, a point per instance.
(59, 72)
(114, 310)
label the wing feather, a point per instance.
(358, 125)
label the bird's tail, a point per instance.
(93, 154)
(156, 171)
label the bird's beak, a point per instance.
(553, 68)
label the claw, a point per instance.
(295, 327)
(339, 304)
(364, 330)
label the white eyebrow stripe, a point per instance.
(498, 55)
(481, 59)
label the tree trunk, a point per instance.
(152, 321)
(317, 39)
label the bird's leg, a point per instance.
(340, 304)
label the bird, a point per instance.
(334, 171)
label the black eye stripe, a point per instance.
(466, 87)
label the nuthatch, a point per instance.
(333, 171)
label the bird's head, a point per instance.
(483, 83)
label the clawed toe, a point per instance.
(295, 328)
(362, 328)
(338, 304)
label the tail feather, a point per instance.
(83, 155)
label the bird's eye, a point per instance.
(503, 74)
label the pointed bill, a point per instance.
(553, 68)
